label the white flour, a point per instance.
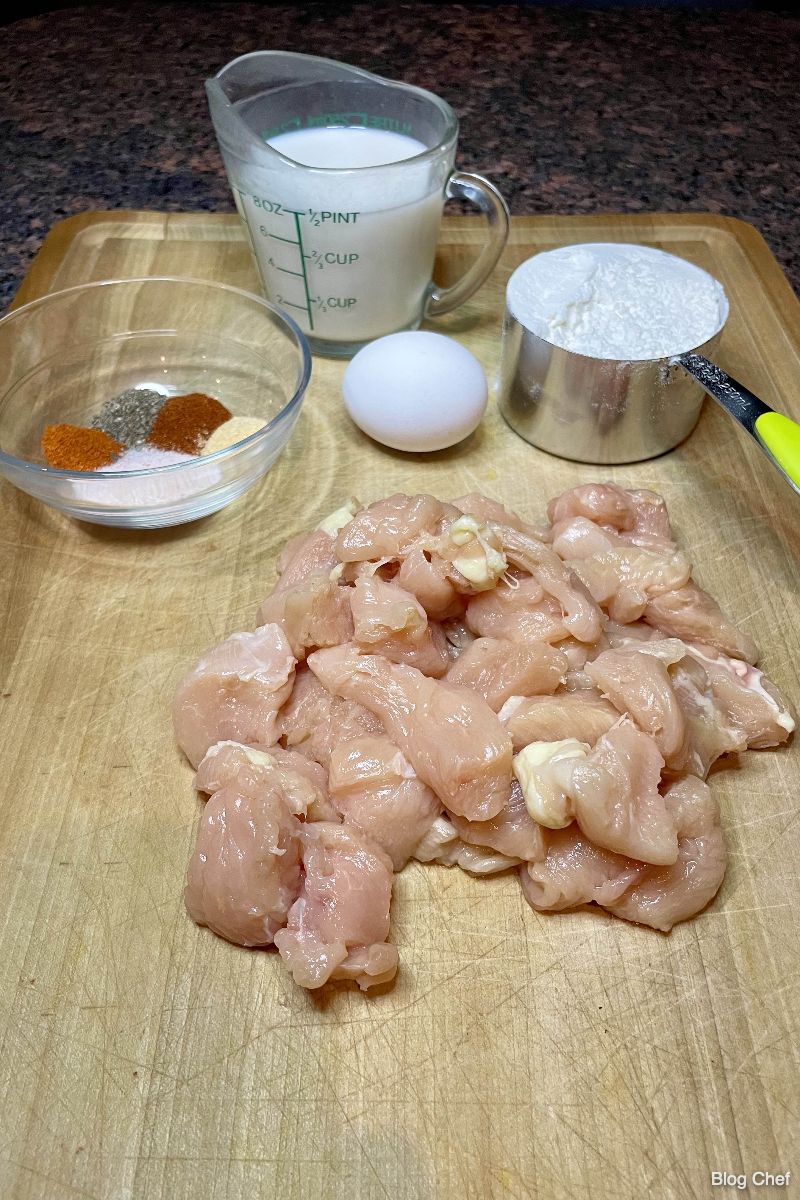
(617, 301)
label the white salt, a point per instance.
(143, 491)
(145, 458)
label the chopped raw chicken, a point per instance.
(303, 556)
(386, 528)
(475, 553)
(390, 621)
(691, 614)
(581, 715)
(338, 925)
(312, 613)
(304, 783)
(513, 832)
(442, 845)
(234, 692)
(450, 736)
(492, 512)
(376, 790)
(497, 669)
(638, 517)
(751, 704)
(573, 871)
(245, 872)
(444, 643)
(314, 721)
(639, 683)
(663, 896)
(621, 578)
(427, 576)
(615, 794)
(517, 609)
(582, 618)
(604, 504)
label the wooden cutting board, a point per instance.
(517, 1055)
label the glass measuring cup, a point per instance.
(347, 251)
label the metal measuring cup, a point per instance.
(595, 410)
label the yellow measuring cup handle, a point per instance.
(780, 436)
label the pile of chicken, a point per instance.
(448, 683)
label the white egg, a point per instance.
(415, 391)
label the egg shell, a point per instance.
(415, 391)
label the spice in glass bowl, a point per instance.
(74, 448)
(129, 417)
(185, 423)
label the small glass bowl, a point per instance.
(63, 356)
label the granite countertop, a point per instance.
(566, 110)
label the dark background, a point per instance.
(569, 110)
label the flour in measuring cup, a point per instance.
(617, 301)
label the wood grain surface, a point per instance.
(517, 1055)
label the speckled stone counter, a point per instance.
(565, 110)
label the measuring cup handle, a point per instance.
(485, 196)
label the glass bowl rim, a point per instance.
(218, 455)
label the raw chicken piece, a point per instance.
(442, 845)
(245, 871)
(581, 715)
(491, 512)
(631, 633)
(639, 684)
(369, 966)
(377, 791)
(582, 618)
(750, 702)
(426, 576)
(604, 504)
(638, 517)
(573, 871)
(661, 897)
(518, 611)
(234, 692)
(513, 832)
(578, 538)
(313, 722)
(691, 614)
(710, 733)
(651, 529)
(312, 613)
(386, 528)
(390, 621)
(450, 736)
(303, 556)
(615, 795)
(338, 925)
(303, 783)
(474, 553)
(497, 669)
(620, 578)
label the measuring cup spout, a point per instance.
(241, 96)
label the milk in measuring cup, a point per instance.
(349, 256)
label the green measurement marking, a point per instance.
(303, 269)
